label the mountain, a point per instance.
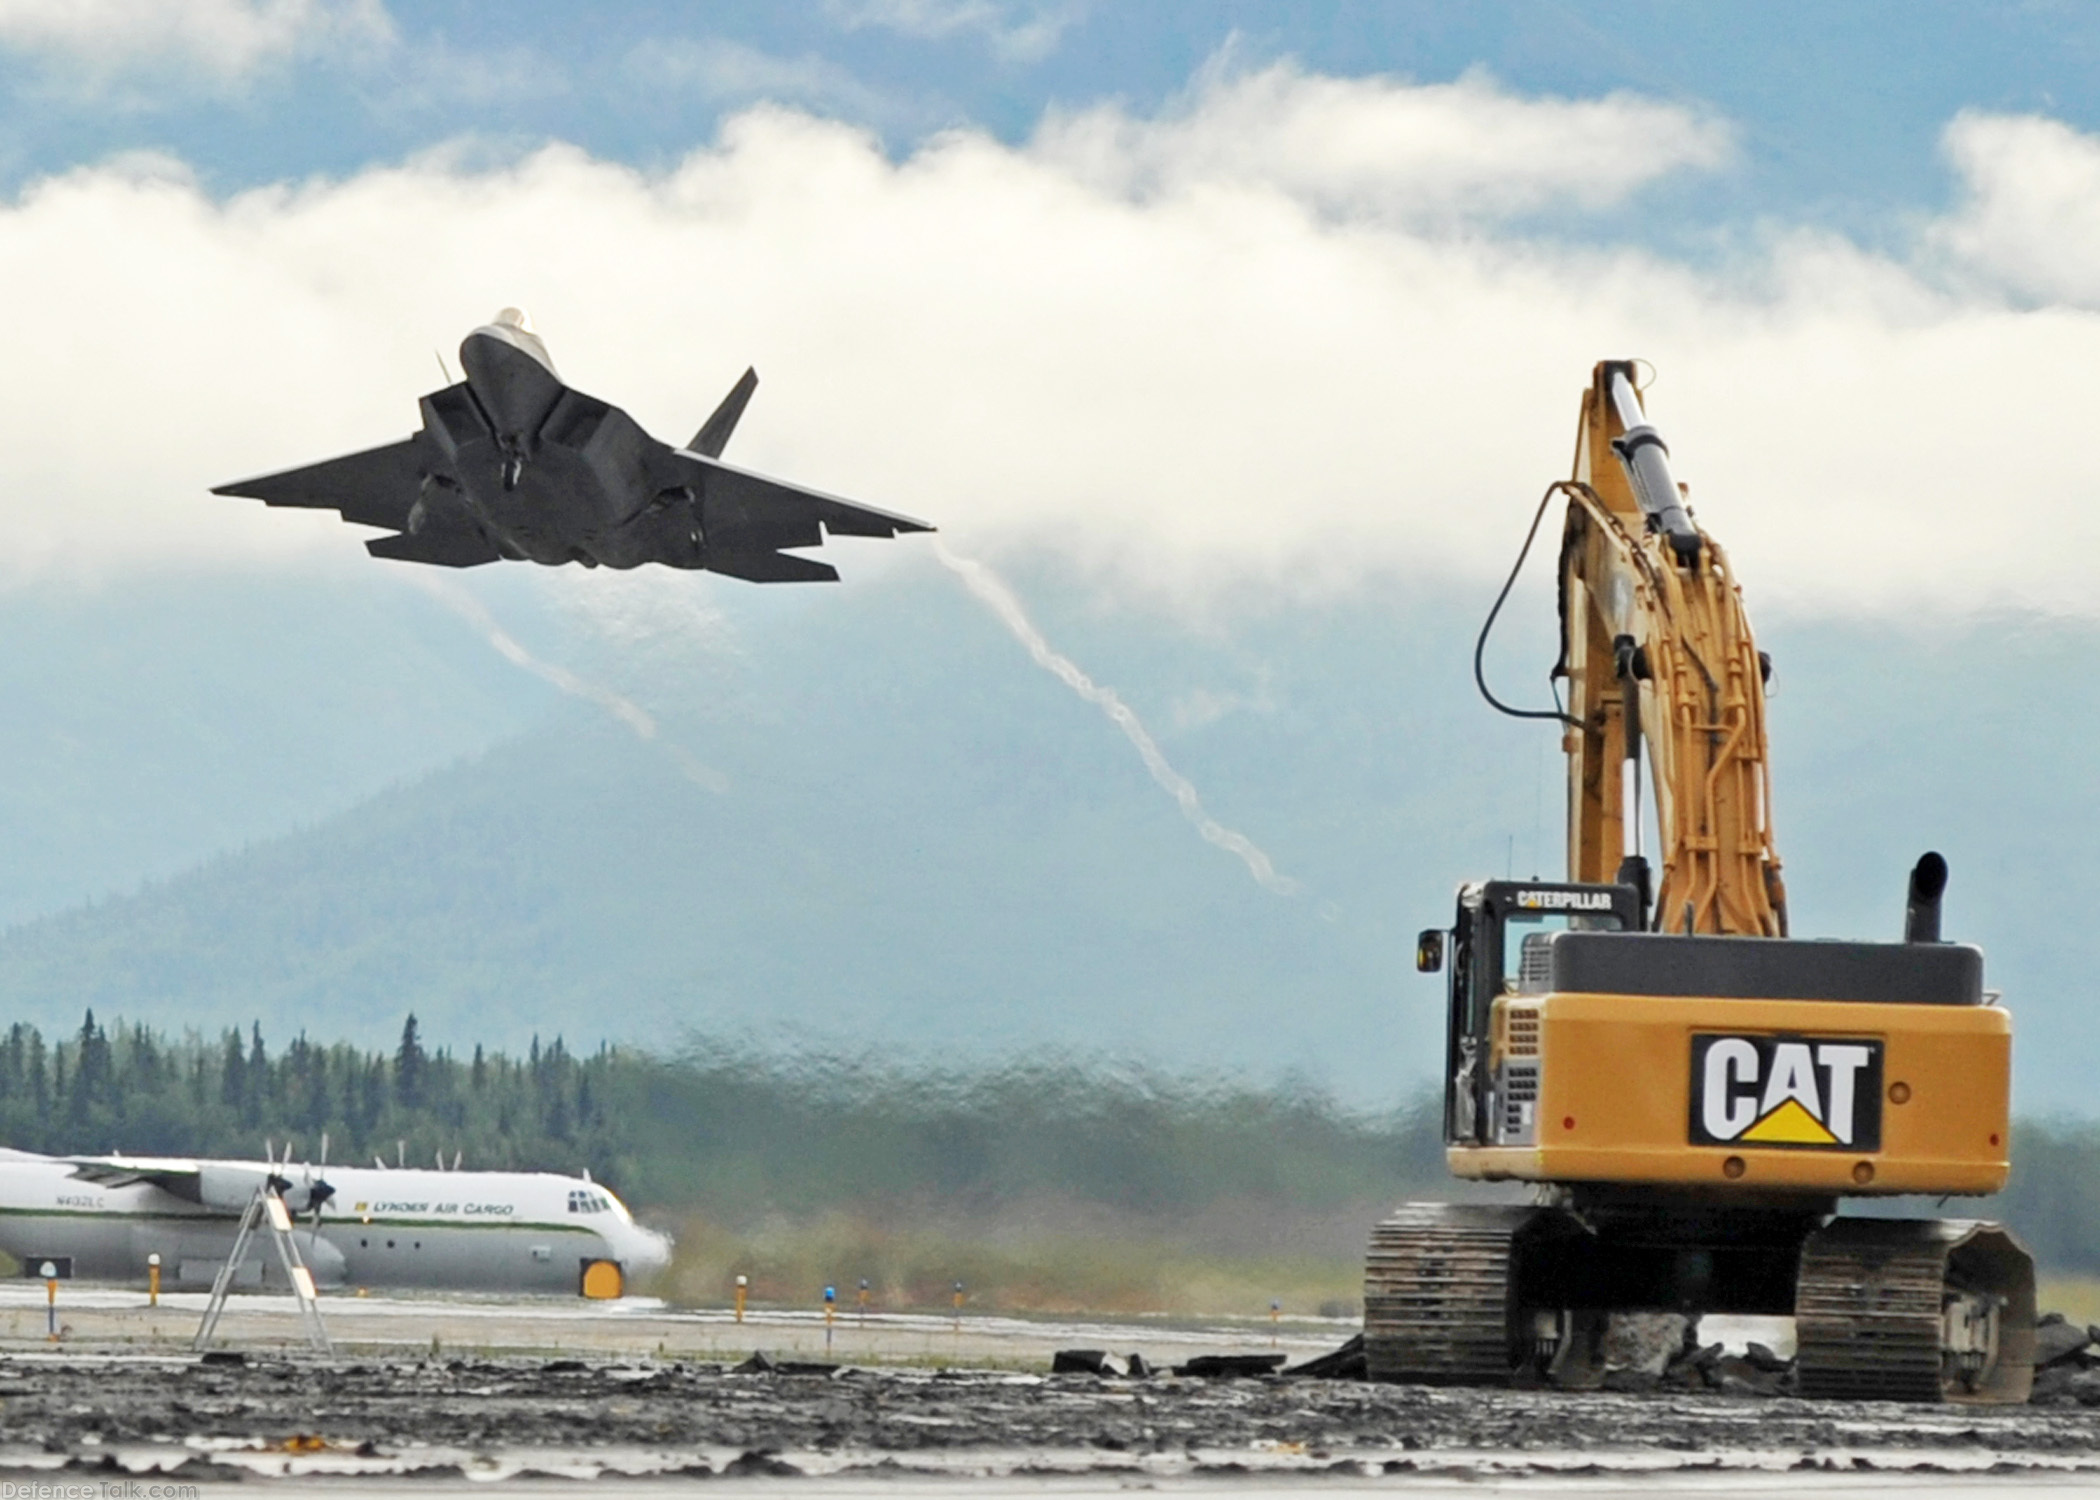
(152, 725)
(863, 817)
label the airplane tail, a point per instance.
(713, 435)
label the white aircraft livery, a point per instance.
(100, 1217)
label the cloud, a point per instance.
(2029, 222)
(1016, 33)
(1379, 147)
(225, 39)
(1214, 380)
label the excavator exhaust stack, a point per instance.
(1921, 912)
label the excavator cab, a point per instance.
(1498, 945)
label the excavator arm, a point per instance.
(1660, 661)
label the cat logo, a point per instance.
(1788, 1091)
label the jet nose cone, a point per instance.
(513, 377)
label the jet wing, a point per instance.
(447, 549)
(746, 519)
(372, 488)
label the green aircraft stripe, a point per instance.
(350, 1221)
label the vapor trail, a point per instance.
(626, 710)
(993, 592)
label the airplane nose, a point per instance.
(516, 385)
(652, 1251)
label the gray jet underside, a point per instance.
(511, 463)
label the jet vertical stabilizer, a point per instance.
(713, 435)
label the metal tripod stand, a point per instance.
(268, 1207)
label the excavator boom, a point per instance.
(1659, 656)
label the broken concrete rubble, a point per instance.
(1231, 1366)
(2056, 1340)
(1345, 1363)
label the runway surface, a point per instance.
(115, 1318)
(563, 1397)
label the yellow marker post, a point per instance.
(50, 1274)
(864, 1301)
(153, 1279)
(742, 1282)
(1275, 1322)
(958, 1306)
(831, 1298)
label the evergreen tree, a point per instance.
(90, 1071)
(410, 1068)
(256, 1080)
(233, 1074)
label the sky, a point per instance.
(1317, 282)
(1212, 312)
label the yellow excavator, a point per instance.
(1690, 1090)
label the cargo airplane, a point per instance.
(101, 1217)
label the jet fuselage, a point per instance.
(552, 475)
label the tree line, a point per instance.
(128, 1088)
(736, 1134)
(718, 1128)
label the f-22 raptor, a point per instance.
(512, 463)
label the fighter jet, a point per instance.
(511, 463)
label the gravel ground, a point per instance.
(505, 1417)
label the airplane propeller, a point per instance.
(279, 1183)
(318, 1188)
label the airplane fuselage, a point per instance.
(551, 474)
(391, 1228)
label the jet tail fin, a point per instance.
(713, 435)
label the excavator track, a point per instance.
(1438, 1293)
(1883, 1308)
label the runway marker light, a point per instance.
(831, 1298)
(958, 1306)
(49, 1272)
(153, 1279)
(743, 1283)
(863, 1299)
(1275, 1320)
